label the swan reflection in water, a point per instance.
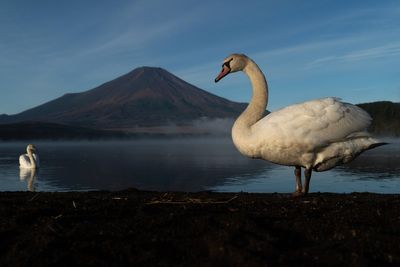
(28, 175)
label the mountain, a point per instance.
(144, 97)
(386, 117)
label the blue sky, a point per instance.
(307, 49)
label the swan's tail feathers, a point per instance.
(376, 145)
(344, 152)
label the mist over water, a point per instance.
(184, 164)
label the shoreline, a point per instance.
(133, 227)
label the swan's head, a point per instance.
(233, 63)
(31, 148)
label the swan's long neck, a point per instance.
(31, 159)
(256, 108)
(241, 131)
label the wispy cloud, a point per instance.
(363, 54)
(137, 35)
(310, 46)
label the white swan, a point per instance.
(29, 160)
(316, 135)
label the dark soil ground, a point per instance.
(136, 228)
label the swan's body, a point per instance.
(316, 135)
(30, 160)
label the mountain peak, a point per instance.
(143, 75)
(147, 70)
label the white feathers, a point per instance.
(25, 162)
(315, 123)
(317, 134)
(29, 160)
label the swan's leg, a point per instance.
(297, 173)
(307, 177)
(299, 187)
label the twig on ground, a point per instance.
(58, 217)
(119, 198)
(35, 196)
(190, 201)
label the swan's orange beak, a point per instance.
(225, 71)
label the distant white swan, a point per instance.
(29, 160)
(316, 135)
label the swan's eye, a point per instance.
(228, 63)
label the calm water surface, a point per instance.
(190, 164)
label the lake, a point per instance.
(186, 164)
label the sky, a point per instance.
(307, 49)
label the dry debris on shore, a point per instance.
(138, 228)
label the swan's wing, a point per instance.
(24, 161)
(315, 123)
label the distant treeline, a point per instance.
(52, 131)
(386, 118)
(55, 131)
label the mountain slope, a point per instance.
(144, 97)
